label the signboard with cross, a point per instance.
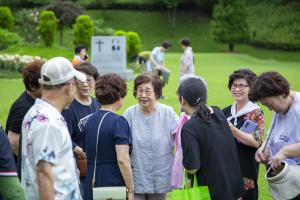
(109, 55)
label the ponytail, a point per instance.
(203, 112)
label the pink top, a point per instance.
(176, 180)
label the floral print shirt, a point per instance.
(46, 138)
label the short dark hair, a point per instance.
(269, 84)
(185, 42)
(110, 88)
(88, 69)
(31, 74)
(79, 47)
(166, 44)
(244, 73)
(147, 78)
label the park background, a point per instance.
(272, 42)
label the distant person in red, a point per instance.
(80, 54)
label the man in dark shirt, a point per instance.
(31, 74)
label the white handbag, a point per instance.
(103, 193)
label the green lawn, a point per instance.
(214, 67)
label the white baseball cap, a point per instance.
(59, 70)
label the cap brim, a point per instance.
(80, 76)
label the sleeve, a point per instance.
(190, 150)
(188, 59)
(46, 143)
(174, 122)
(258, 118)
(7, 162)
(67, 114)
(17, 115)
(122, 133)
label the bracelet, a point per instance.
(129, 191)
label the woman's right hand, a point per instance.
(262, 154)
(79, 152)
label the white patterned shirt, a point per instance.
(45, 137)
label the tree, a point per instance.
(229, 23)
(171, 6)
(83, 30)
(6, 18)
(47, 27)
(67, 12)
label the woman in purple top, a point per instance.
(282, 145)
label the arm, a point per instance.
(243, 137)
(125, 167)
(14, 141)
(288, 151)
(45, 180)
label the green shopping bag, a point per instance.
(194, 193)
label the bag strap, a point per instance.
(98, 133)
(185, 180)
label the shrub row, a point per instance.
(275, 27)
(16, 62)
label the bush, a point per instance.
(47, 27)
(83, 30)
(8, 38)
(98, 31)
(16, 62)
(270, 28)
(6, 18)
(26, 25)
(134, 44)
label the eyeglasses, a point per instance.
(140, 91)
(240, 86)
(89, 80)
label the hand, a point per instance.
(130, 196)
(277, 159)
(232, 128)
(261, 156)
(79, 152)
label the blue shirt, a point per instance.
(113, 131)
(76, 116)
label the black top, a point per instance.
(17, 112)
(15, 117)
(76, 116)
(246, 154)
(7, 163)
(209, 147)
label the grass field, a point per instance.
(214, 67)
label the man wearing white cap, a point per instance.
(48, 167)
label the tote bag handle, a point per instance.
(98, 133)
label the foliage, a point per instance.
(134, 44)
(47, 27)
(16, 62)
(171, 6)
(269, 28)
(67, 12)
(6, 18)
(25, 3)
(26, 24)
(229, 24)
(83, 30)
(99, 30)
(8, 38)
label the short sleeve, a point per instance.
(122, 133)
(174, 121)
(46, 143)
(7, 162)
(127, 116)
(16, 117)
(190, 150)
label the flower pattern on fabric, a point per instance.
(38, 116)
(257, 117)
(248, 183)
(47, 155)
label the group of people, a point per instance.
(57, 127)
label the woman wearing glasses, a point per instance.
(153, 126)
(246, 122)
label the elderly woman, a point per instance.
(246, 122)
(207, 143)
(187, 58)
(283, 143)
(153, 126)
(113, 167)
